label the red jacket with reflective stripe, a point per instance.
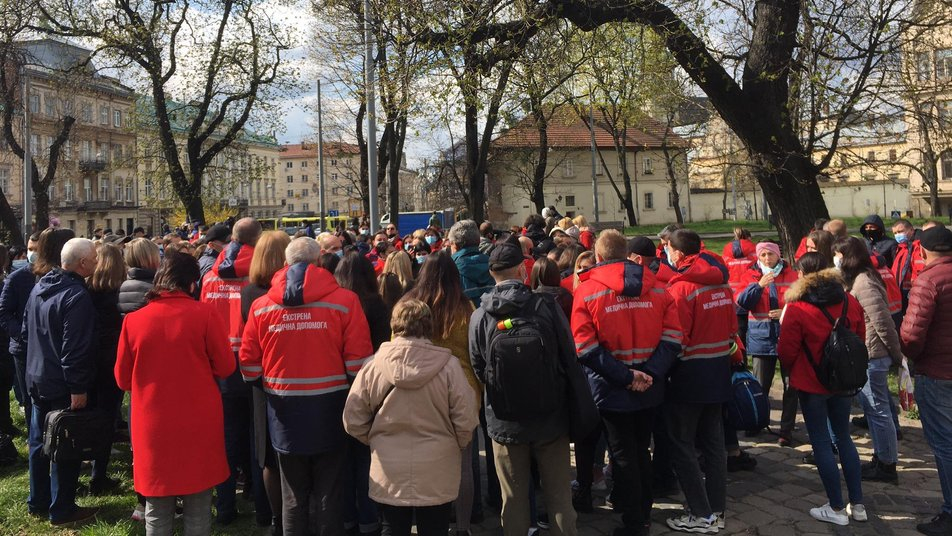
(893, 294)
(737, 265)
(621, 320)
(705, 307)
(305, 340)
(762, 332)
(222, 287)
(908, 263)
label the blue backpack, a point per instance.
(748, 409)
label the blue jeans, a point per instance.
(824, 414)
(875, 399)
(934, 398)
(52, 485)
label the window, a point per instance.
(333, 176)
(892, 155)
(290, 207)
(290, 178)
(118, 192)
(304, 165)
(148, 187)
(67, 105)
(103, 154)
(947, 166)
(68, 191)
(87, 189)
(599, 166)
(4, 179)
(50, 102)
(649, 200)
(288, 165)
(303, 178)
(893, 177)
(68, 150)
(303, 192)
(333, 161)
(943, 64)
(117, 152)
(944, 111)
(103, 188)
(646, 164)
(670, 200)
(34, 143)
(35, 104)
(871, 156)
(290, 193)
(305, 206)
(568, 169)
(924, 66)
(128, 191)
(86, 112)
(570, 200)
(117, 118)
(86, 150)
(104, 115)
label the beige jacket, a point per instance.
(882, 339)
(421, 425)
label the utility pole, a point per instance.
(320, 158)
(591, 130)
(369, 81)
(27, 160)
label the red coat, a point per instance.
(737, 265)
(170, 353)
(587, 239)
(803, 323)
(908, 264)
(801, 249)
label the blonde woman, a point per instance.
(267, 259)
(142, 258)
(397, 277)
(105, 395)
(586, 235)
(583, 262)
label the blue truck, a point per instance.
(411, 221)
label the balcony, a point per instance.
(92, 166)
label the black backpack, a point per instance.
(842, 367)
(73, 436)
(523, 376)
(8, 451)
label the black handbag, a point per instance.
(74, 436)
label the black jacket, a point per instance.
(106, 335)
(378, 319)
(133, 290)
(58, 325)
(500, 302)
(16, 291)
(877, 241)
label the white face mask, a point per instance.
(31, 257)
(837, 262)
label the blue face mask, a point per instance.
(339, 253)
(420, 259)
(31, 257)
(431, 240)
(902, 238)
(20, 263)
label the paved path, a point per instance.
(774, 499)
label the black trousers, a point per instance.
(311, 494)
(629, 437)
(430, 520)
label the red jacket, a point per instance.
(222, 286)
(705, 307)
(908, 264)
(622, 320)
(662, 272)
(762, 332)
(801, 249)
(179, 432)
(305, 340)
(893, 294)
(738, 256)
(587, 239)
(926, 330)
(803, 323)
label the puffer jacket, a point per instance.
(58, 326)
(425, 413)
(705, 308)
(926, 331)
(133, 290)
(16, 291)
(805, 325)
(877, 241)
(762, 332)
(621, 322)
(303, 340)
(881, 337)
(474, 273)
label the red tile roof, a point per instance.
(567, 130)
(309, 150)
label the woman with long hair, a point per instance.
(882, 341)
(820, 242)
(356, 273)
(544, 278)
(104, 286)
(583, 262)
(817, 294)
(439, 287)
(178, 433)
(397, 277)
(267, 259)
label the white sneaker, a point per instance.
(138, 515)
(690, 523)
(827, 514)
(857, 512)
(721, 523)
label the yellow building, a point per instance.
(299, 183)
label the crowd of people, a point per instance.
(344, 381)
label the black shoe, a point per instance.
(582, 501)
(752, 433)
(543, 521)
(104, 486)
(941, 525)
(741, 462)
(809, 459)
(898, 434)
(881, 472)
(81, 515)
(873, 462)
(860, 422)
(226, 518)
(629, 531)
(11, 431)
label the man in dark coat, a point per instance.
(874, 231)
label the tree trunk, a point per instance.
(673, 182)
(42, 214)
(192, 199)
(477, 187)
(538, 174)
(795, 206)
(10, 222)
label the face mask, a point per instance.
(365, 232)
(31, 257)
(431, 240)
(902, 238)
(19, 263)
(339, 253)
(837, 262)
(764, 269)
(420, 259)
(667, 253)
(408, 246)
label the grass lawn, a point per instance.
(113, 518)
